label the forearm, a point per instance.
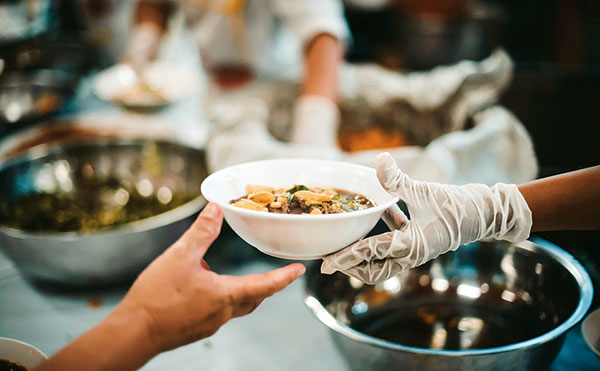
(150, 24)
(566, 201)
(121, 341)
(322, 58)
(153, 14)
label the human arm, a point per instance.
(316, 114)
(176, 300)
(323, 33)
(567, 201)
(322, 58)
(444, 217)
(150, 21)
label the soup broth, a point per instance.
(301, 199)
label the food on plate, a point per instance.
(141, 93)
(6, 365)
(301, 199)
(97, 204)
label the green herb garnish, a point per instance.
(297, 188)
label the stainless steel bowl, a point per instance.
(486, 306)
(30, 95)
(109, 255)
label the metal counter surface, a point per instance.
(281, 333)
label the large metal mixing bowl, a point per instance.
(486, 306)
(108, 255)
(30, 95)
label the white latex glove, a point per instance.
(316, 121)
(143, 47)
(442, 218)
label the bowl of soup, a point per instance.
(16, 355)
(299, 208)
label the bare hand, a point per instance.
(182, 300)
(175, 301)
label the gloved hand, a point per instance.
(442, 218)
(143, 47)
(316, 121)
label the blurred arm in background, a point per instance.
(322, 30)
(151, 18)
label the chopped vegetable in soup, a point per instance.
(301, 199)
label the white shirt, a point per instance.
(270, 34)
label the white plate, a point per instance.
(172, 82)
(298, 236)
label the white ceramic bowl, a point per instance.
(23, 353)
(298, 236)
(174, 83)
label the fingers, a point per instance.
(203, 231)
(256, 287)
(386, 169)
(394, 218)
(355, 254)
(393, 179)
(377, 247)
(397, 246)
(376, 271)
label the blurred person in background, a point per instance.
(270, 40)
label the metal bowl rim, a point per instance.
(564, 258)
(168, 217)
